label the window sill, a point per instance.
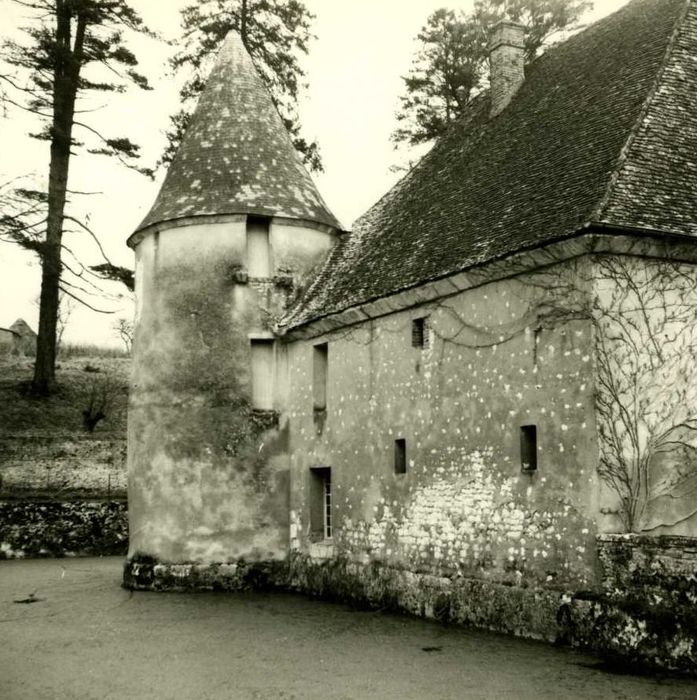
(321, 550)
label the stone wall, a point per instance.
(646, 615)
(57, 529)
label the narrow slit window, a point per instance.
(258, 250)
(400, 456)
(262, 373)
(319, 376)
(419, 332)
(321, 503)
(528, 448)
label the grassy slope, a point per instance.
(61, 413)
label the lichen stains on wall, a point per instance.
(209, 474)
(206, 483)
(495, 360)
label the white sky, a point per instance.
(353, 71)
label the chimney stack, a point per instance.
(506, 61)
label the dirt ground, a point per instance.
(85, 637)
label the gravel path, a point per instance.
(85, 637)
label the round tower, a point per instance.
(237, 223)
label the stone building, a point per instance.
(444, 408)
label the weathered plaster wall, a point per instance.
(208, 476)
(645, 319)
(497, 358)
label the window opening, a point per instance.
(528, 448)
(258, 249)
(319, 376)
(419, 332)
(321, 503)
(262, 373)
(400, 456)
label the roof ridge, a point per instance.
(598, 211)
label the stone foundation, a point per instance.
(646, 615)
(142, 573)
(643, 616)
(528, 612)
(522, 611)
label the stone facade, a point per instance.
(465, 506)
(193, 426)
(436, 418)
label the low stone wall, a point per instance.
(646, 614)
(56, 529)
(643, 615)
(530, 612)
(146, 574)
(59, 466)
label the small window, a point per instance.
(319, 376)
(258, 250)
(419, 332)
(321, 503)
(528, 448)
(400, 456)
(262, 373)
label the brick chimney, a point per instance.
(506, 60)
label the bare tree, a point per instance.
(125, 329)
(99, 400)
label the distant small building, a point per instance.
(23, 338)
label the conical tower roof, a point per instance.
(236, 156)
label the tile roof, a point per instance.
(236, 156)
(603, 130)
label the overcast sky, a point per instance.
(353, 70)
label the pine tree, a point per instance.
(450, 66)
(69, 44)
(274, 32)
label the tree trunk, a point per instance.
(66, 74)
(243, 24)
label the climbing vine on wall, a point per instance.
(644, 318)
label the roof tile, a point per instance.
(603, 129)
(236, 156)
